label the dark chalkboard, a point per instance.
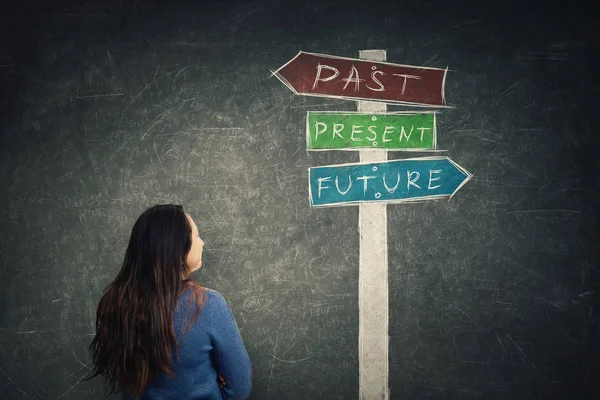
(109, 108)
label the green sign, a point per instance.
(391, 131)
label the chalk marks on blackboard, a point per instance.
(542, 211)
(93, 96)
(72, 386)
(216, 129)
(134, 98)
(12, 381)
(542, 56)
(291, 361)
(558, 214)
(317, 268)
(266, 105)
(315, 105)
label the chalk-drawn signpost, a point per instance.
(374, 181)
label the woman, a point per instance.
(160, 335)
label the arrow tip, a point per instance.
(464, 182)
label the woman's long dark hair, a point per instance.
(134, 320)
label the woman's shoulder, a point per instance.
(215, 297)
(206, 301)
(207, 290)
(212, 292)
(210, 296)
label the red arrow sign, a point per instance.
(349, 78)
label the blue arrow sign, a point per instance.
(391, 181)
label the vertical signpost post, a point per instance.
(373, 182)
(373, 275)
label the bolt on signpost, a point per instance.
(374, 181)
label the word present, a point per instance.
(394, 131)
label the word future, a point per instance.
(391, 181)
(394, 131)
(322, 75)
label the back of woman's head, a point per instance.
(134, 320)
(155, 256)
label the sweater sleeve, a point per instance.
(229, 353)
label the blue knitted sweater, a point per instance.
(212, 345)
